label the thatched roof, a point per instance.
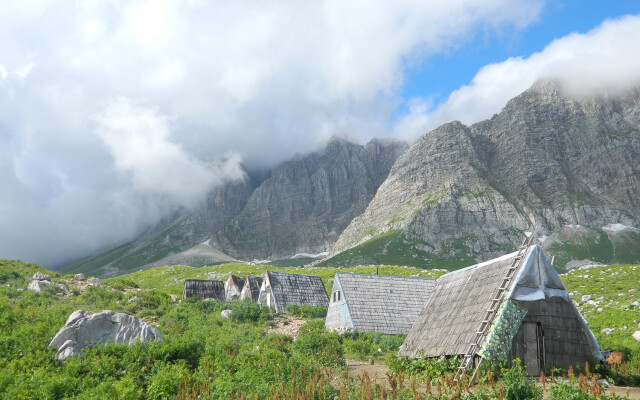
(454, 312)
(387, 304)
(203, 289)
(295, 289)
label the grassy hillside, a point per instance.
(393, 248)
(209, 357)
(615, 303)
(170, 280)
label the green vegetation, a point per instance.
(209, 357)
(625, 248)
(170, 280)
(393, 248)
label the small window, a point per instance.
(338, 293)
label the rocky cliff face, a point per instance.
(302, 207)
(306, 203)
(547, 161)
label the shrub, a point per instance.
(321, 347)
(248, 311)
(516, 384)
(164, 384)
(307, 311)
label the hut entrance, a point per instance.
(533, 347)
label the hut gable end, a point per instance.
(287, 289)
(387, 304)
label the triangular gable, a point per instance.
(538, 280)
(449, 320)
(387, 304)
(295, 289)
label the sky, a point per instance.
(116, 114)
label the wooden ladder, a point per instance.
(467, 360)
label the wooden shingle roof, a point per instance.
(387, 304)
(452, 315)
(295, 289)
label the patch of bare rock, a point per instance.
(84, 328)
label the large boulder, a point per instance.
(84, 328)
(39, 286)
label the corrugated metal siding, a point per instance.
(387, 304)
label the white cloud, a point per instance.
(196, 82)
(603, 60)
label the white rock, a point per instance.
(39, 276)
(607, 331)
(226, 313)
(586, 298)
(79, 277)
(39, 286)
(85, 328)
(94, 281)
(636, 335)
(134, 298)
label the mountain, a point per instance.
(565, 169)
(299, 209)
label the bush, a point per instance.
(321, 347)
(516, 384)
(307, 311)
(248, 311)
(122, 283)
(164, 384)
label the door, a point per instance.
(531, 348)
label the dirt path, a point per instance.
(287, 325)
(377, 372)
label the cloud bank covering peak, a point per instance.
(602, 61)
(115, 114)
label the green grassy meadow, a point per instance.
(205, 356)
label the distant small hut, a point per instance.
(514, 306)
(251, 288)
(280, 290)
(386, 304)
(203, 289)
(233, 287)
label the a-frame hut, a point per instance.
(380, 303)
(280, 290)
(233, 287)
(203, 289)
(251, 288)
(511, 307)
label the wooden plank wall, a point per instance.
(565, 342)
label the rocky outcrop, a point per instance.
(84, 328)
(306, 203)
(42, 281)
(546, 162)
